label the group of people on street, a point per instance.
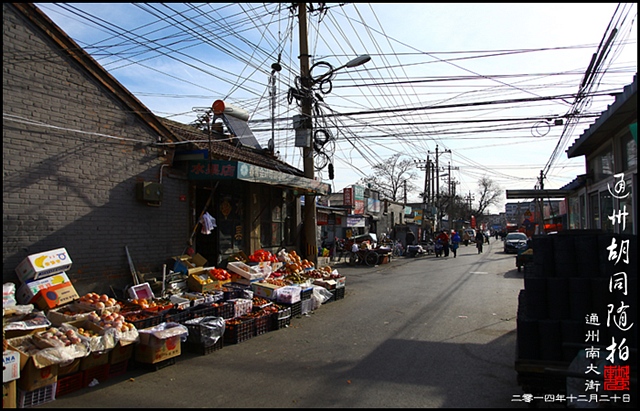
(444, 242)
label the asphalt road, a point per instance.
(421, 332)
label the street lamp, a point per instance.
(358, 61)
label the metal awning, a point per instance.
(238, 170)
(525, 194)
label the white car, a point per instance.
(514, 242)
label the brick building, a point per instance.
(87, 167)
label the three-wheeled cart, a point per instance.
(369, 257)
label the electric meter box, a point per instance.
(149, 191)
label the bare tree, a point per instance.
(392, 178)
(490, 194)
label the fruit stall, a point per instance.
(56, 342)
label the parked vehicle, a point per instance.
(468, 235)
(514, 242)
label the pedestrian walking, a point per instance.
(455, 242)
(444, 238)
(479, 241)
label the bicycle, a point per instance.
(397, 250)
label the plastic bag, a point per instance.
(321, 294)
(205, 330)
(9, 295)
(289, 294)
(166, 330)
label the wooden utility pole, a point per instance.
(310, 226)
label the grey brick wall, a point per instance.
(72, 154)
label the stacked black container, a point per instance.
(570, 280)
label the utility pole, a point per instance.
(426, 197)
(405, 192)
(438, 211)
(310, 226)
(541, 205)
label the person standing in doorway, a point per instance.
(455, 243)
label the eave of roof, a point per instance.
(619, 114)
(225, 150)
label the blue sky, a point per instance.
(479, 80)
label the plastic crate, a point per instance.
(177, 316)
(281, 319)
(237, 333)
(232, 291)
(262, 325)
(27, 399)
(204, 310)
(100, 373)
(69, 383)
(203, 349)
(306, 294)
(224, 309)
(155, 366)
(332, 298)
(118, 369)
(296, 308)
(339, 293)
(151, 319)
(195, 332)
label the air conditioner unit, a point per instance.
(148, 191)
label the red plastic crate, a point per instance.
(69, 383)
(101, 373)
(117, 369)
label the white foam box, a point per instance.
(245, 271)
(141, 291)
(43, 264)
(27, 291)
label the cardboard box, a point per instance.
(188, 265)
(43, 264)
(36, 371)
(94, 359)
(10, 365)
(328, 284)
(21, 333)
(10, 394)
(201, 287)
(55, 296)
(121, 353)
(264, 290)
(28, 291)
(69, 368)
(102, 340)
(151, 354)
(160, 343)
(67, 313)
